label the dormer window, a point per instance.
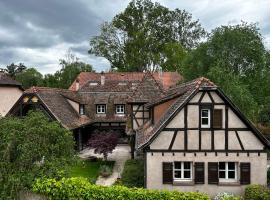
(205, 118)
(120, 109)
(101, 109)
(82, 109)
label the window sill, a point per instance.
(229, 183)
(209, 129)
(101, 115)
(120, 115)
(183, 182)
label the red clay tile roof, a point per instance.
(184, 91)
(167, 79)
(109, 86)
(147, 90)
(7, 80)
(117, 89)
(57, 104)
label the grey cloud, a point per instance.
(39, 32)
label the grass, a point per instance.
(88, 169)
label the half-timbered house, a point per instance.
(197, 140)
(97, 101)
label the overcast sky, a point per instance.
(39, 32)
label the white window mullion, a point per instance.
(226, 171)
(182, 170)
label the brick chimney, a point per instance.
(77, 85)
(102, 78)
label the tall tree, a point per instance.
(71, 66)
(30, 77)
(14, 69)
(136, 38)
(236, 59)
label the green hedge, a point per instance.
(257, 192)
(133, 173)
(80, 188)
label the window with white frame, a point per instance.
(120, 109)
(82, 109)
(205, 118)
(227, 171)
(101, 109)
(182, 171)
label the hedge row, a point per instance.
(257, 192)
(80, 188)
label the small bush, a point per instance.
(257, 192)
(105, 171)
(133, 173)
(80, 188)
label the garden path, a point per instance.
(120, 154)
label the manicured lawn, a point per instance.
(88, 169)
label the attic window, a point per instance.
(25, 99)
(92, 84)
(101, 109)
(205, 118)
(120, 109)
(34, 99)
(82, 109)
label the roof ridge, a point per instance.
(39, 88)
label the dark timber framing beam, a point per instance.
(226, 127)
(239, 140)
(201, 97)
(173, 139)
(206, 129)
(132, 127)
(185, 129)
(194, 103)
(200, 127)
(209, 94)
(205, 151)
(211, 121)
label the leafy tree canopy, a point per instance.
(14, 69)
(70, 68)
(31, 147)
(143, 36)
(30, 77)
(103, 142)
(235, 58)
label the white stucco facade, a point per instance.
(233, 142)
(154, 171)
(8, 97)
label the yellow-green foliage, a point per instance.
(80, 188)
(257, 192)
